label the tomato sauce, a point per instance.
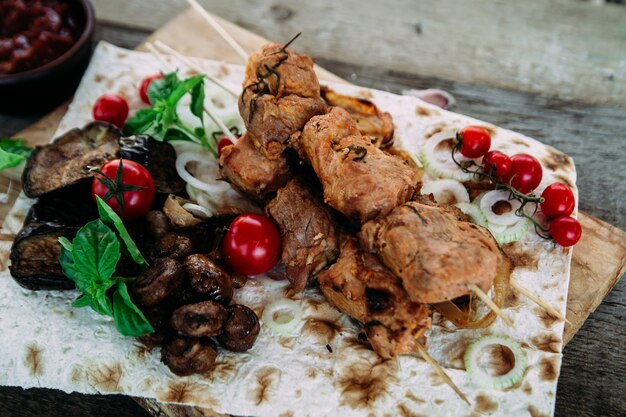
(34, 32)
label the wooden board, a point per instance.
(599, 259)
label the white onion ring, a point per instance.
(439, 189)
(440, 164)
(181, 162)
(504, 219)
(282, 316)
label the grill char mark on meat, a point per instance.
(360, 286)
(309, 233)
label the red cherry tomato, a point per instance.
(252, 244)
(111, 108)
(224, 142)
(565, 231)
(499, 163)
(526, 172)
(558, 201)
(145, 84)
(136, 203)
(475, 141)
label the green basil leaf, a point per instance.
(85, 300)
(102, 303)
(197, 100)
(142, 123)
(96, 251)
(69, 268)
(129, 320)
(13, 152)
(111, 219)
(183, 88)
(161, 88)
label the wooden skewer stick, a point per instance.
(439, 370)
(553, 311)
(168, 49)
(485, 298)
(209, 113)
(219, 29)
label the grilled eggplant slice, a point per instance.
(35, 256)
(158, 157)
(68, 159)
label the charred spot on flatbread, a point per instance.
(404, 411)
(548, 369)
(106, 377)
(548, 342)
(485, 405)
(520, 142)
(556, 161)
(223, 368)
(511, 301)
(546, 318)
(267, 380)
(564, 180)
(424, 111)
(288, 413)
(412, 397)
(33, 359)
(534, 412)
(520, 257)
(527, 388)
(439, 127)
(187, 392)
(324, 331)
(362, 383)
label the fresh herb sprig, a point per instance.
(90, 260)
(13, 151)
(162, 122)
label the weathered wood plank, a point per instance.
(534, 45)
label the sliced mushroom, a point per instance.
(173, 245)
(158, 223)
(189, 356)
(208, 279)
(158, 282)
(173, 208)
(241, 329)
(202, 319)
(239, 280)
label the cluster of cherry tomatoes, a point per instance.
(523, 173)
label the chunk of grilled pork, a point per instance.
(361, 287)
(309, 233)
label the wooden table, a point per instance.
(494, 57)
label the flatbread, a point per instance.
(323, 368)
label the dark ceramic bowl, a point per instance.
(45, 87)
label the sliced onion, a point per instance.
(440, 164)
(490, 199)
(198, 210)
(282, 316)
(474, 212)
(477, 373)
(511, 233)
(181, 167)
(441, 189)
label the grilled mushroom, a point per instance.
(189, 356)
(158, 224)
(202, 319)
(158, 282)
(241, 329)
(208, 279)
(173, 245)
